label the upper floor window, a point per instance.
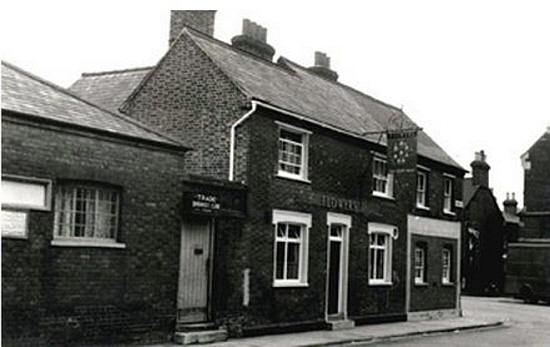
(420, 264)
(380, 253)
(446, 265)
(448, 194)
(381, 178)
(291, 237)
(421, 189)
(293, 152)
(86, 213)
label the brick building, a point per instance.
(528, 262)
(483, 233)
(349, 211)
(90, 219)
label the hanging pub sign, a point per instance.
(213, 199)
(402, 146)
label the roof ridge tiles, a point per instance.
(71, 94)
(113, 72)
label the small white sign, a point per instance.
(459, 203)
(14, 224)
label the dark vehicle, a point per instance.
(528, 270)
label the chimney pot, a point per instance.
(254, 40)
(480, 169)
(321, 67)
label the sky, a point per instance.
(475, 75)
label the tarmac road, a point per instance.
(525, 325)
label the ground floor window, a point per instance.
(86, 212)
(380, 253)
(291, 247)
(447, 264)
(420, 264)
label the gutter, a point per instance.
(232, 139)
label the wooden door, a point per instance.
(193, 289)
(335, 262)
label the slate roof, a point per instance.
(286, 85)
(109, 89)
(27, 94)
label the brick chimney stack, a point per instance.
(510, 204)
(322, 67)
(200, 20)
(480, 170)
(254, 40)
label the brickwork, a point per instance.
(188, 97)
(61, 294)
(433, 295)
(338, 167)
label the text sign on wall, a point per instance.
(205, 202)
(14, 224)
(339, 203)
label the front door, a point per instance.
(193, 288)
(335, 271)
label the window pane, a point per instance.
(293, 257)
(280, 256)
(372, 263)
(295, 137)
(380, 264)
(281, 230)
(294, 231)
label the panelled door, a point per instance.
(336, 269)
(194, 278)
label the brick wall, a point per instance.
(95, 294)
(339, 166)
(188, 97)
(433, 295)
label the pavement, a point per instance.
(364, 334)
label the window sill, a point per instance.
(447, 284)
(421, 284)
(293, 178)
(381, 284)
(382, 195)
(290, 284)
(87, 243)
(422, 207)
(449, 213)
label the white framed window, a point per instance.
(290, 248)
(420, 265)
(446, 277)
(448, 194)
(382, 180)
(421, 189)
(293, 152)
(86, 213)
(380, 253)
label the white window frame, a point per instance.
(448, 195)
(304, 174)
(446, 275)
(296, 218)
(387, 231)
(420, 278)
(421, 191)
(84, 241)
(388, 178)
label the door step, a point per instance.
(200, 336)
(340, 324)
(185, 327)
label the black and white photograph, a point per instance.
(275, 174)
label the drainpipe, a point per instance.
(232, 139)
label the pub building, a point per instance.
(305, 204)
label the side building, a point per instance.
(528, 262)
(91, 216)
(351, 209)
(483, 233)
